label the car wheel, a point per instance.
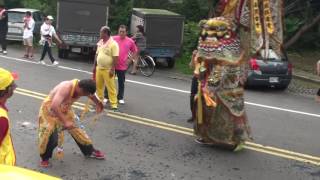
(63, 53)
(170, 62)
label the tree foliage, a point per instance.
(47, 7)
(120, 13)
(300, 15)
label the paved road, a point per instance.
(150, 139)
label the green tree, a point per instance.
(158, 4)
(302, 16)
(120, 13)
(11, 3)
(47, 7)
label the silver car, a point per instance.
(271, 71)
(15, 22)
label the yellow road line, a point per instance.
(187, 131)
(40, 94)
(32, 92)
(283, 151)
(149, 124)
(30, 95)
(42, 98)
(152, 121)
(248, 144)
(317, 163)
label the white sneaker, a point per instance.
(121, 101)
(4, 52)
(105, 101)
(42, 62)
(55, 63)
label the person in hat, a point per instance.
(7, 87)
(47, 31)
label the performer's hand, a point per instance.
(317, 98)
(68, 125)
(99, 107)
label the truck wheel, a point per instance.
(63, 53)
(170, 62)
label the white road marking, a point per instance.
(17, 59)
(282, 109)
(73, 69)
(168, 88)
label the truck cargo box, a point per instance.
(163, 31)
(79, 23)
(82, 15)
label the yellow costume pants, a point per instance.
(51, 134)
(103, 80)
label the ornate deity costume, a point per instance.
(225, 45)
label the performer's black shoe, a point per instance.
(203, 142)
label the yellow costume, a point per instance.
(50, 128)
(105, 53)
(7, 153)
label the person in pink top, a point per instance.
(126, 45)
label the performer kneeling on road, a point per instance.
(56, 114)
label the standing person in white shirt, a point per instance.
(28, 35)
(47, 32)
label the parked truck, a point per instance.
(163, 31)
(79, 23)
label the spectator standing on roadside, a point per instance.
(3, 29)
(140, 40)
(29, 24)
(47, 31)
(126, 45)
(194, 87)
(104, 66)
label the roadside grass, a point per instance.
(182, 64)
(304, 60)
(305, 84)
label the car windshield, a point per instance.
(271, 55)
(15, 17)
